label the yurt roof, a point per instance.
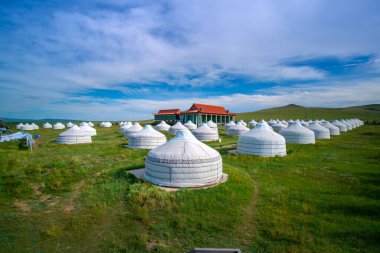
(163, 123)
(73, 131)
(189, 124)
(178, 126)
(135, 127)
(239, 126)
(231, 123)
(297, 129)
(148, 131)
(204, 128)
(86, 127)
(315, 126)
(262, 134)
(279, 124)
(210, 123)
(184, 146)
(329, 125)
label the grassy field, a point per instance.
(365, 113)
(320, 198)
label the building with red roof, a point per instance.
(168, 115)
(198, 114)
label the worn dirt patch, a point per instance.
(37, 188)
(22, 205)
(151, 246)
(69, 206)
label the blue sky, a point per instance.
(124, 60)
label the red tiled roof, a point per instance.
(168, 112)
(208, 109)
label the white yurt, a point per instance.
(174, 129)
(35, 127)
(83, 123)
(105, 124)
(242, 122)
(91, 124)
(125, 127)
(148, 138)
(278, 127)
(271, 122)
(353, 122)
(264, 122)
(69, 124)
(87, 129)
(162, 126)
(252, 123)
(19, 126)
(27, 127)
(190, 125)
(237, 130)
(348, 125)
(342, 127)
(206, 133)
(320, 132)
(59, 126)
(212, 125)
(229, 124)
(133, 129)
(296, 133)
(47, 125)
(74, 135)
(361, 123)
(285, 122)
(304, 123)
(334, 130)
(262, 141)
(183, 161)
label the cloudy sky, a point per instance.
(118, 60)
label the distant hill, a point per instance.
(292, 111)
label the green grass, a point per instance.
(320, 198)
(366, 113)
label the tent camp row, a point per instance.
(27, 127)
(47, 125)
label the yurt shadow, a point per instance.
(122, 174)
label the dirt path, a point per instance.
(69, 205)
(248, 226)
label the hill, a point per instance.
(292, 111)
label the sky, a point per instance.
(125, 60)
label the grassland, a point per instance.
(320, 198)
(367, 113)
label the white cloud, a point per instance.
(88, 108)
(74, 49)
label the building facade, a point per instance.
(198, 114)
(169, 115)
